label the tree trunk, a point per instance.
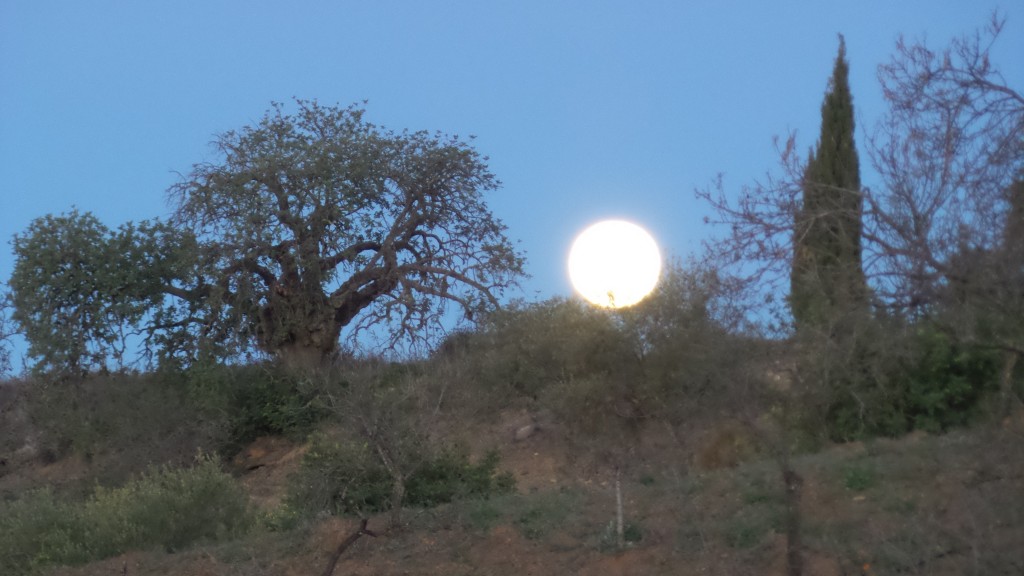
(302, 358)
(301, 333)
(1006, 382)
(794, 554)
(397, 486)
(620, 532)
(397, 496)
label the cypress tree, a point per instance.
(827, 280)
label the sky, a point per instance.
(587, 109)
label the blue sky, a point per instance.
(587, 109)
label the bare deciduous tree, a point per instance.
(947, 152)
(950, 153)
(319, 220)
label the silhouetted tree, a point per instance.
(320, 220)
(827, 279)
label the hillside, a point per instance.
(704, 503)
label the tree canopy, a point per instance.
(827, 279)
(313, 218)
(306, 223)
(79, 289)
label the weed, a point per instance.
(541, 513)
(759, 491)
(859, 477)
(481, 515)
(753, 523)
(744, 535)
(898, 505)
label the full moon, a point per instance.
(614, 264)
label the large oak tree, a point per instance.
(318, 220)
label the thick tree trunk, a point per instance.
(301, 333)
(300, 357)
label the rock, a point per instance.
(524, 432)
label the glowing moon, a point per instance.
(614, 263)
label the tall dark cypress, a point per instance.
(827, 280)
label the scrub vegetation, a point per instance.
(868, 423)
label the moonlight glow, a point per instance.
(614, 264)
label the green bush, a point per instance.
(339, 477)
(894, 384)
(450, 476)
(947, 382)
(854, 381)
(168, 508)
(525, 348)
(345, 478)
(253, 400)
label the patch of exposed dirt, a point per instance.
(264, 467)
(34, 473)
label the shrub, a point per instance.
(527, 347)
(172, 508)
(608, 541)
(946, 383)
(894, 384)
(853, 382)
(450, 476)
(345, 478)
(169, 508)
(339, 477)
(133, 421)
(253, 400)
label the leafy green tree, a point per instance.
(827, 278)
(79, 289)
(61, 320)
(318, 220)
